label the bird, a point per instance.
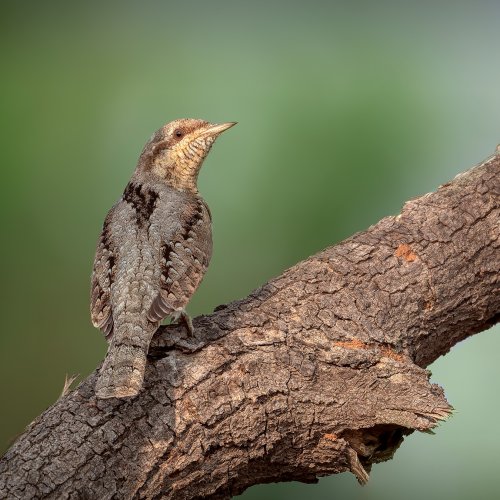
(153, 251)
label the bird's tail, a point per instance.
(122, 372)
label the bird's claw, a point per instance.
(183, 316)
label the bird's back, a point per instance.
(155, 239)
(153, 252)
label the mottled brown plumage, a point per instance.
(153, 251)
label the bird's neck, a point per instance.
(175, 167)
(185, 183)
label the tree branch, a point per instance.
(319, 371)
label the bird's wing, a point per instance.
(102, 278)
(184, 258)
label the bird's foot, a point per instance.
(183, 316)
(176, 339)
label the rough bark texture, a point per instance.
(320, 371)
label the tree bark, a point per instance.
(319, 371)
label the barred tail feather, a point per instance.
(122, 372)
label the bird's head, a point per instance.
(176, 151)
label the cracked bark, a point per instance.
(319, 371)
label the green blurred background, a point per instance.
(345, 110)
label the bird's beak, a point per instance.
(214, 129)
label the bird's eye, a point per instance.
(178, 133)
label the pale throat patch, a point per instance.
(181, 164)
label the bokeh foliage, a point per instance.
(346, 110)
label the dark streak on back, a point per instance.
(165, 256)
(106, 243)
(102, 294)
(194, 218)
(142, 200)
